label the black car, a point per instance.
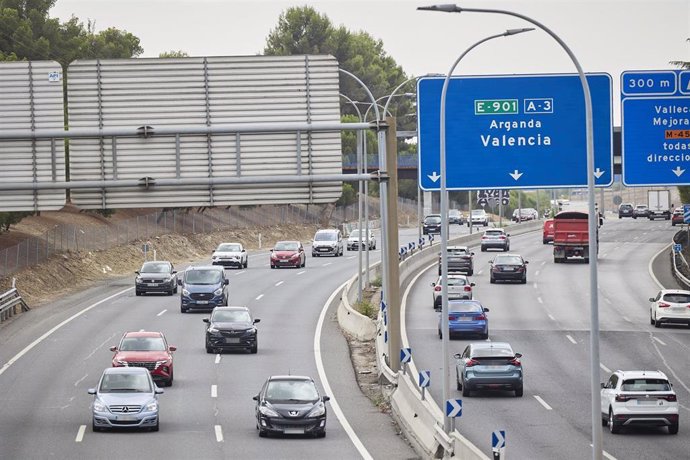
(626, 210)
(290, 404)
(231, 328)
(460, 259)
(508, 267)
(156, 276)
(432, 224)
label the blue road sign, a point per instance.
(454, 408)
(424, 379)
(677, 247)
(405, 355)
(686, 213)
(498, 439)
(655, 127)
(514, 131)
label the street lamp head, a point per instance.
(446, 8)
(518, 31)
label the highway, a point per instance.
(208, 412)
(547, 320)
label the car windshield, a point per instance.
(478, 212)
(229, 248)
(287, 247)
(291, 390)
(155, 267)
(465, 307)
(645, 384)
(325, 236)
(508, 260)
(142, 344)
(230, 316)
(453, 213)
(493, 233)
(677, 298)
(433, 220)
(203, 277)
(641, 206)
(125, 383)
(492, 352)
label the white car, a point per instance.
(478, 217)
(670, 306)
(638, 398)
(459, 288)
(327, 241)
(230, 255)
(354, 240)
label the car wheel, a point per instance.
(604, 422)
(651, 319)
(492, 280)
(170, 380)
(137, 293)
(171, 291)
(483, 249)
(673, 428)
(507, 248)
(518, 392)
(175, 291)
(614, 427)
(209, 350)
(246, 263)
(524, 280)
(635, 217)
(262, 433)
(485, 336)
(183, 310)
(254, 348)
(470, 273)
(657, 323)
(440, 335)
(458, 384)
(273, 266)
(321, 434)
(465, 391)
(94, 428)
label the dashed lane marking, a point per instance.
(217, 358)
(214, 391)
(219, 433)
(536, 273)
(279, 283)
(80, 433)
(327, 264)
(259, 297)
(301, 273)
(162, 313)
(543, 403)
(659, 340)
(539, 299)
(80, 380)
(604, 368)
(571, 339)
(551, 317)
(240, 272)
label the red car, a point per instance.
(146, 349)
(288, 254)
(677, 217)
(547, 236)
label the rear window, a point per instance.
(493, 233)
(457, 251)
(508, 260)
(471, 307)
(455, 282)
(625, 207)
(645, 384)
(492, 352)
(677, 298)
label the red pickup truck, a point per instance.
(571, 236)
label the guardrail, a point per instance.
(677, 273)
(421, 419)
(9, 302)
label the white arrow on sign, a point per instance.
(454, 408)
(498, 439)
(515, 174)
(434, 177)
(598, 173)
(405, 355)
(424, 379)
(678, 172)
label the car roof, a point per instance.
(230, 242)
(477, 345)
(457, 303)
(126, 370)
(290, 377)
(507, 254)
(287, 241)
(231, 308)
(142, 334)
(457, 247)
(328, 230)
(641, 374)
(500, 229)
(207, 267)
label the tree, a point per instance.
(173, 54)
(349, 195)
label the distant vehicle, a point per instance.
(231, 328)
(508, 267)
(156, 276)
(641, 210)
(230, 255)
(466, 317)
(290, 404)
(478, 217)
(455, 217)
(547, 232)
(625, 210)
(489, 366)
(356, 237)
(571, 236)
(431, 225)
(460, 259)
(670, 306)
(639, 398)
(459, 288)
(125, 397)
(203, 288)
(495, 238)
(327, 241)
(677, 217)
(288, 254)
(149, 350)
(659, 202)
(525, 214)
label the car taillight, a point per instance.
(664, 305)
(437, 289)
(480, 317)
(515, 362)
(485, 237)
(623, 398)
(520, 269)
(469, 362)
(452, 317)
(670, 398)
(502, 237)
(468, 288)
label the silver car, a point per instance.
(126, 397)
(495, 238)
(459, 288)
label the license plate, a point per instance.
(464, 318)
(509, 269)
(644, 402)
(494, 367)
(232, 340)
(294, 431)
(152, 284)
(202, 302)
(126, 418)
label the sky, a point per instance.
(606, 35)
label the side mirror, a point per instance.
(651, 299)
(326, 398)
(486, 309)
(113, 348)
(472, 284)
(271, 250)
(179, 282)
(244, 250)
(91, 391)
(257, 320)
(603, 385)
(471, 253)
(172, 348)
(526, 262)
(174, 272)
(491, 262)
(255, 398)
(159, 391)
(137, 272)
(206, 320)
(457, 356)
(226, 281)
(507, 234)
(433, 284)
(518, 355)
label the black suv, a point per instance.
(432, 224)
(626, 210)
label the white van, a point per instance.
(327, 241)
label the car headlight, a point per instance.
(98, 406)
(268, 412)
(214, 257)
(152, 406)
(160, 363)
(212, 330)
(137, 280)
(185, 292)
(318, 411)
(218, 291)
(122, 362)
(294, 256)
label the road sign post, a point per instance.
(498, 444)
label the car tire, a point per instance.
(175, 291)
(321, 434)
(458, 384)
(246, 263)
(171, 291)
(169, 382)
(466, 391)
(651, 319)
(313, 254)
(544, 241)
(253, 350)
(183, 310)
(440, 335)
(657, 323)
(137, 293)
(492, 280)
(209, 350)
(95, 428)
(635, 217)
(524, 280)
(604, 421)
(614, 427)
(485, 336)
(518, 392)
(273, 266)
(673, 428)
(470, 272)
(263, 433)
(483, 249)
(157, 426)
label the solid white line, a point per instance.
(219, 433)
(80, 380)
(214, 391)
(604, 368)
(606, 454)
(571, 339)
(279, 283)
(542, 402)
(551, 317)
(217, 358)
(80, 433)
(301, 273)
(28, 348)
(324, 379)
(543, 262)
(649, 266)
(259, 297)
(539, 299)
(161, 313)
(659, 340)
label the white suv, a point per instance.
(327, 241)
(478, 217)
(635, 398)
(670, 306)
(355, 239)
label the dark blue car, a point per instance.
(466, 317)
(203, 288)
